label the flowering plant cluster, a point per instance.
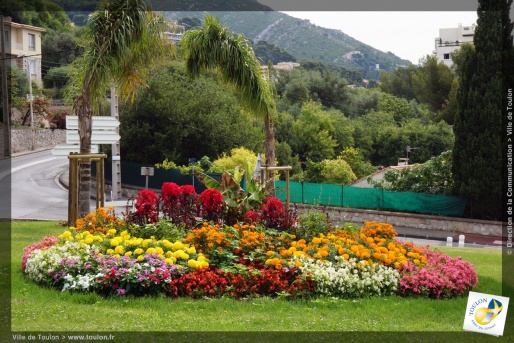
(209, 282)
(351, 278)
(47, 242)
(274, 215)
(180, 204)
(102, 220)
(104, 255)
(146, 204)
(442, 277)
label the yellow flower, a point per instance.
(177, 246)
(140, 258)
(115, 242)
(138, 251)
(192, 264)
(119, 250)
(151, 251)
(201, 258)
(191, 251)
(128, 253)
(88, 240)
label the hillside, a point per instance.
(304, 40)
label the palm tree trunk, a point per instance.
(269, 146)
(83, 108)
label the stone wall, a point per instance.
(21, 139)
(340, 216)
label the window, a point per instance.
(32, 41)
(446, 56)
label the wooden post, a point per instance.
(73, 191)
(287, 189)
(287, 169)
(100, 182)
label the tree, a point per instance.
(312, 134)
(477, 153)
(431, 177)
(398, 82)
(337, 172)
(432, 82)
(176, 118)
(214, 46)
(121, 39)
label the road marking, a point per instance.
(7, 172)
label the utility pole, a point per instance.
(5, 97)
(33, 133)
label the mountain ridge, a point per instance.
(305, 40)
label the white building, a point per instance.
(450, 40)
(23, 47)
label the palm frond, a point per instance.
(213, 46)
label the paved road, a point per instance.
(36, 192)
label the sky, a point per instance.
(409, 35)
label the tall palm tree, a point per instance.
(122, 39)
(214, 46)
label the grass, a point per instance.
(38, 309)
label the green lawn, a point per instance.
(39, 310)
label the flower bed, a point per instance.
(267, 252)
(107, 255)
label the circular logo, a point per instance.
(485, 315)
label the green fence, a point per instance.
(131, 176)
(370, 198)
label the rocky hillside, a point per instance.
(304, 40)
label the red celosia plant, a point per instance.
(442, 277)
(252, 217)
(212, 204)
(179, 203)
(274, 215)
(170, 197)
(146, 204)
(189, 205)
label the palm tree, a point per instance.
(214, 46)
(122, 39)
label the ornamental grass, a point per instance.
(104, 254)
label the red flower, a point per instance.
(146, 205)
(188, 190)
(212, 201)
(252, 217)
(272, 213)
(170, 189)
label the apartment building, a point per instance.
(450, 40)
(22, 45)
